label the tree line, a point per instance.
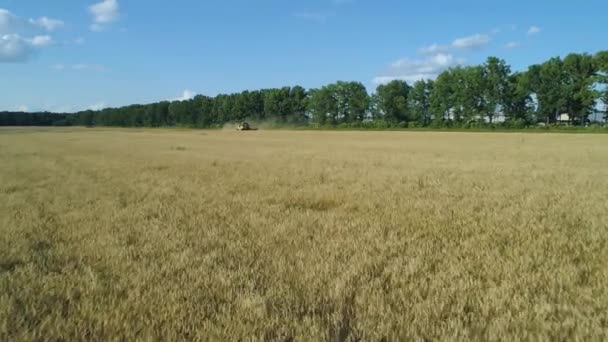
(489, 94)
(36, 119)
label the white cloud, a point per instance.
(471, 42)
(186, 95)
(312, 16)
(22, 108)
(47, 23)
(14, 49)
(40, 41)
(413, 70)
(104, 13)
(79, 41)
(433, 49)
(533, 30)
(512, 45)
(8, 22)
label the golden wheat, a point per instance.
(280, 235)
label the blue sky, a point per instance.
(68, 55)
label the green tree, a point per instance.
(579, 71)
(323, 106)
(461, 80)
(353, 101)
(496, 86)
(547, 84)
(468, 101)
(298, 97)
(442, 98)
(518, 101)
(179, 113)
(87, 118)
(205, 111)
(392, 101)
(458, 95)
(420, 101)
(340, 102)
(240, 107)
(255, 105)
(601, 62)
(277, 103)
(222, 108)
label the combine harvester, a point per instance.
(244, 126)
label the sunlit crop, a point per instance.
(283, 235)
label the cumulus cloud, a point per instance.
(413, 70)
(471, 42)
(47, 23)
(22, 108)
(533, 30)
(104, 13)
(465, 43)
(8, 22)
(434, 49)
(186, 95)
(40, 41)
(15, 48)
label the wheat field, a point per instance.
(166, 235)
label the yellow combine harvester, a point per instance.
(244, 126)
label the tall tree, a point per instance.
(240, 109)
(468, 84)
(323, 106)
(206, 117)
(518, 101)
(496, 72)
(601, 62)
(462, 94)
(547, 84)
(442, 98)
(179, 113)
(392, 101)
(579, 71)
(277, 103)
(420, 101)
(353, 101)
(298, 98)
(460, 80)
